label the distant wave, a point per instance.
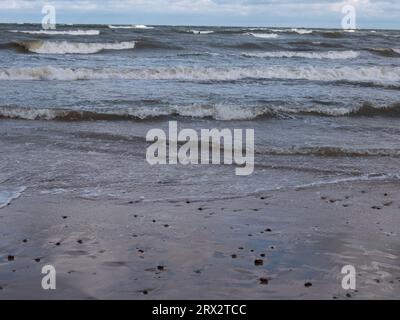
(223, 112)
(66, 47)
(68, 32)
(303, 54)
(201, 31)
(385, 52)
(380, 75)
(302, 31)
(298, 31)
(138, 26)
(263, 35)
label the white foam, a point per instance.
(370, 74)
(6, 196)
(201, 31)
(64, 47)
(302, 31)
(138, 26)
(67, 32)
(264, 35)
(303, 54)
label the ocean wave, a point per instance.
(138, 26)
(66, 47)
(385, 52)
(302, 31)
(66, 32)
(379, 75)
(263, 35)
(329, 151)
(201, 31)
(222, 112)
(303, 54)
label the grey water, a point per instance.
(76, 104)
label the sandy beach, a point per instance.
(284, 244)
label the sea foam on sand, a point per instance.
(6, 196)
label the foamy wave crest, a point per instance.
(201, 31)
(263, 35)
(381, 75)
(302, 31)
(67, 32)
(308, 55)
(65, 47)
(138, 26)
(223, 112)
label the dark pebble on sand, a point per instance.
(264, 281)
(259, 262)
(37, 259)
(145, 292)
(268, 230)
(262, 255)
(58, 244)
(348, 295)
(188, 202)
(25, 240)
(166, 225)
(308, 284)
(65, 217)
(154, 221)
(386, 195)
(234, 256)
(160, 268)
(10, 258)
(200, 209)
(80, 241)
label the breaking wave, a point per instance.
(385, 52)
(263, 35)
(201, 31)
(66, 47)
(138, 26)
(66, 32)
(223, 112)
(380, 75)
(303, 54)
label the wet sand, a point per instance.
(284, 244)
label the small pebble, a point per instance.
(308, 284)
(10, 258)
(259, 262)
(264, 281)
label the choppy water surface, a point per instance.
(77, 102)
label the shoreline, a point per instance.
(258, 247)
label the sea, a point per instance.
(77, 102)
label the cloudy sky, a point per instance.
(294, 13)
